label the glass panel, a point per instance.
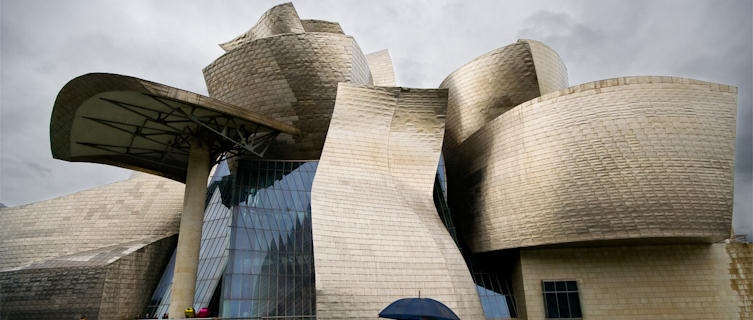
(572, 286)
(548, 286)
(560, 285)
(563, 305)
(574, 305)
(276, 278)
(550, 299)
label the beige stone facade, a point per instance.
(687, 281)
(377, 236)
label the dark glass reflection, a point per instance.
(493, 286)
(271, 267)
(561, 299)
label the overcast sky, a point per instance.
(44, 44)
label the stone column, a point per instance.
(189, 238)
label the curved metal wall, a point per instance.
(497, 81)
(142, 207)
(624, 158)
(377, 235)
(292, 78)
(279, 19)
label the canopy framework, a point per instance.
(140, 125)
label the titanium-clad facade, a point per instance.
(497, 81)
(377, 234)
(98, 252)
(336, 193)
(626, 158)
(291, 77)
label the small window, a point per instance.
(561, 300)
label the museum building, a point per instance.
(308, 185)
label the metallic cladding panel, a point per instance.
(99, 288)
(292, 78)
(377, 235)
(142, 207)
(550, 70)
(382, 71)
(496, 82)
(312, 25)
(626, 158)
(279, 19)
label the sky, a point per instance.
(44, 44)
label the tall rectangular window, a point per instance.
(561, 299)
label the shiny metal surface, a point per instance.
(620, 159)
(377, 235)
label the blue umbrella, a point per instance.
(418, 309)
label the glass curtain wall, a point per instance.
(271, 269)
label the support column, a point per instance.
(189, 238)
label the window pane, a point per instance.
(563, 305)
(574, 305)
(550, 299)
(560, 285)
(572, 286)
(548, 286)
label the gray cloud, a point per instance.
(44, 44)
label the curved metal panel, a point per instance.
(619, 159)
(145, 126)
(381, 68)
(551, 72)
(143, 207)
(496, 82)
(377, 235)
(292, 78)
(279, 19)
(313, 25)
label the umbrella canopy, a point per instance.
(417, 309)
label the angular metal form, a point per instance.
(283, 71)
(146, 126)
(496, 82)
(377, 235)
(381, 68)
(98, 252)
(639, 158)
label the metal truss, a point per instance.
(169, 131)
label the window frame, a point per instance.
(556, 291)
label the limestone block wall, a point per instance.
(495, 82)
(641, 282)
(381, 68)
(625, 158)
(377, 236)
(292, 78)
(138, 208)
